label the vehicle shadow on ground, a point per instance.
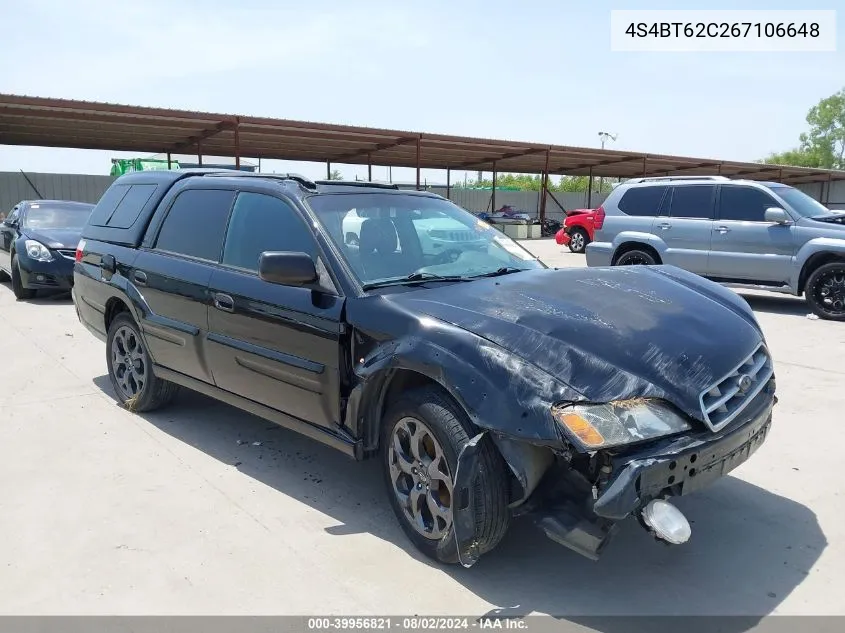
(750, 548)
(50, 297)
(795, 306)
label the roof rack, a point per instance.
(358, 183)
(302, 180)
(665, 178)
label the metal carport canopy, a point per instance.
(46, 122)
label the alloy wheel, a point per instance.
(829, 292)
(577, 241)
(635, 260)
(420, 478)
(128, 362)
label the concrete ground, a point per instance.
(179, 512)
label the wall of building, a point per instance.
(830, 194)
(477, 200)
(15, 187)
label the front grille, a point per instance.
(726, 399)
(452, 236)
(67, 253)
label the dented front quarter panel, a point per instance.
(498, 390)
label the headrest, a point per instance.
(378, 234)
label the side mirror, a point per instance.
(776, 215)
(286, 268)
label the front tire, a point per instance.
(423, 433)
(636, 258)
(21, 293)
(131, 370)
(578, 240)
(825, 291)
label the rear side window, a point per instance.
(196, 223)
(642, 201)
(131, 206)
(692, 201)
(121, 205)
(745, 204)
(263, 223)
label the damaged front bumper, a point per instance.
(674, 468)
(688, 465)
(584, 516)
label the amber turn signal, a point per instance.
(582, 429)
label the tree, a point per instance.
(335, 175)
(527, 182)
(823, 145)
(826, 138)
(797, 157)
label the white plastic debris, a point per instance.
(813, 317)
(241, 442)
(256, 443)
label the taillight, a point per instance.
(80, 250)
(599, 221)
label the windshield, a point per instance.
(57, 216)
(800, 202)
(387, 237)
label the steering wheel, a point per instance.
(447, 257)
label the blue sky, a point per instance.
(529, 71)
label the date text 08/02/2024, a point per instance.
(414, 623)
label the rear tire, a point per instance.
(825, 291)
(636, 258)
(440, 430)
(21, 293)
(578, 240)
(131, 370)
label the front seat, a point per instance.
(377, 245)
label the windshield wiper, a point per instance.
(415, 277)
(505, 270)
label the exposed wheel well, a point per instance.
(627, 247)
(813, 262)
(400, 381)
(114, 306)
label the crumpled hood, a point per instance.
(609, 333)
(55, 238)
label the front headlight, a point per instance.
(37, 251)
(620, 422)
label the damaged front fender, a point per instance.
(498, 390)
(463, 505)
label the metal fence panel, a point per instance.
(16, 186)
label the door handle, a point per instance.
(665, 226)
(722, 229)
(224, 302)
(140, 277)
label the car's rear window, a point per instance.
(643, 201)
(121, 205)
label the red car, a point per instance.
(578, 229)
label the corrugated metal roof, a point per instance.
(90, 125)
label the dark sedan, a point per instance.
(38, 245)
